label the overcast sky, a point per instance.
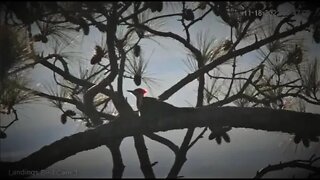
(40, 124)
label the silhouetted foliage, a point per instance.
(94, 94)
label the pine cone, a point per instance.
(97, 56)
(64, 116)
(154, 6)
(137, 79)
(188, 14)
(3, 135)
(137, 50)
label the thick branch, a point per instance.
(143, 155)
(181, 156)
(118, 166)
(255, 118)
(122, 65)
(94, 90)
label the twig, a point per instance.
(163, 141)
(198, 137)
(14, 120)
(303, 164)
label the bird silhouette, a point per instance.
(152, 109)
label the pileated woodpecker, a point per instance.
(153, 109)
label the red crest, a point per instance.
(141, 91)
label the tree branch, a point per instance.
(193, 49)
(163, 141)
(197, 138)
(190, 77)
(303, 164)
(65, 75)
(118, 166)
(255, 118)
(143, 155)
(94, 90)
(78, 104)
(48, 96)
(181, 156)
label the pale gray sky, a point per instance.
(248, 151)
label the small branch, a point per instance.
(98, 72)
(124, 8)
(184, 24)
(65, 75)
(199, 19)
(163, 141)
(303, 164)
(226, 78)
(23, 68)
(161, 16)
(13, 121)
(122, 65)
(232, 78)
(190, 77)
(48, 96)
(197, 138)
(78, 104)
(56, 80)
(193, 49)
(139, 11)
(240, 93)
(283, 21)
